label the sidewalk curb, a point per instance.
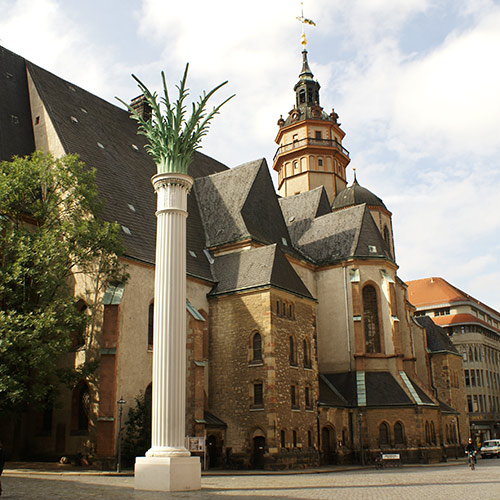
(327, 470)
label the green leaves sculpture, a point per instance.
(173, 138)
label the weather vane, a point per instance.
(304, 21)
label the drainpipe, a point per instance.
(346, 305)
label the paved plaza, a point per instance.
(434, 482)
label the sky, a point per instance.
(416, 84)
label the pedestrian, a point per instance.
(2, 462)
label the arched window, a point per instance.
(292, 353)
(383, 432)
(399, 437)
(258, 395)
(150, 324)
(371, 320)
(307, 398)
(80, 408)
(283, 438)
(294, 438)
(293, 396)
(433, 433)
(427, 433)
(307, 354)
(257, 347)
(78, 336)
(387, 236)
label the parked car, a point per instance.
(490, 448)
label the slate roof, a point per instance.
(254, 268)
(329, 395)
(225, 205)
(382, 389)
(437, 339)
(356, 195)
(16, 131)
(123, 172)
(241, 203)
(340, 235)
(301, 209)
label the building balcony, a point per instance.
(310, 141)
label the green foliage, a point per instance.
(173, 138)
(49, 233)
(137, 439)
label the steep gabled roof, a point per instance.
(106, 139)
(254, 268)
(16, 130)
(241, 203)
(351, 232)
(301, 209)
(437, 339)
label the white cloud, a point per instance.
(449, 100)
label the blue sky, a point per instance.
(415, 82)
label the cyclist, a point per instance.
(471, 450)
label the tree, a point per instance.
(50, 238)
(137, 439)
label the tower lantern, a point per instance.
(310, 152)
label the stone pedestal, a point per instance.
(167, 473)
(168, 465)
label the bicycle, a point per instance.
(472, 459)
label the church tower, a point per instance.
(310, 152)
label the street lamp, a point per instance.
(360, 417)
(120, 404)
(453, 421)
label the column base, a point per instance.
(167, 473)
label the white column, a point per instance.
(168, 465)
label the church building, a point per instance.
(302, 345)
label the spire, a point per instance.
(307, 89)
(306, 73)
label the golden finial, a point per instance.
(304, 21)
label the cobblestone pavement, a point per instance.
(450, 482)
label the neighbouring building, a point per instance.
(302, 344)
(474, 329)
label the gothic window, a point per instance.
(257, 347)
(307, 398)
(398, 433)
(427, 433)
(78, 336)
(293, 396)
(371, 320)
(383, 432)
(307, 355)
(80, 408)
(292, 353)
(150, 325)
(387, 236)
(433, 433)
(258, 395)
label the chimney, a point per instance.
(141, 106)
